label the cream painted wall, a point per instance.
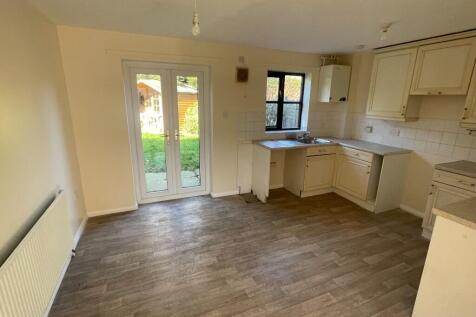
(436, 137)
(37, 152)
(92, 62)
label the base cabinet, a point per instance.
(319, 172)
(309, 172)
(443, 194)
(353, 176)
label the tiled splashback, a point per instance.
(436, 139)
(320, 123)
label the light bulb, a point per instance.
(384, 31)
(195, 25)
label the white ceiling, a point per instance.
(322, 26)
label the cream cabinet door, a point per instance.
(353, 176)
(319, 172)
(444, 68)
(441, 195)
(390, 84)
(469, 116)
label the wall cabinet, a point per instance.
(446, 188)
(353, 176)
(469, 115)
(444, 68)
(390, 86)
(319, 172)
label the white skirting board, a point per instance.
(412, 210)
(98, 213)
(77, 236)
(79, 232)
(223, 194)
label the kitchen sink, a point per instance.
(314, 141)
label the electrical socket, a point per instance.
(369, 129)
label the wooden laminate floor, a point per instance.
(318, 256)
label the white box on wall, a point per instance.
(334, 83)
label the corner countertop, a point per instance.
(463, 212)
(370, 147)
(465, 168)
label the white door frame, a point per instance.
(129, 68)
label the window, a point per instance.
(284, 101)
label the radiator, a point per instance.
(31, 275)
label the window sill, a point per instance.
(285, 131)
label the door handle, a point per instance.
(177, 134)
(166, 135)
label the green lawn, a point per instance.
(154, 155)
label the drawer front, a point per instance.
(361, 155)
(455, 180)
(320, 150)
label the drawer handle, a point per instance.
(467, 184)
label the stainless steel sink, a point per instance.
(314, 141)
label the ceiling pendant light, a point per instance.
(384, 31)
(195, 21)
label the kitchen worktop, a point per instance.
(465, 168)
(370, 147)
(463, 212)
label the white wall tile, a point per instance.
(449, 138)
(464, 140)
(435, 136)
(408, 133)
(420, 146)
(432, 147)
(461, 153)
(446, 150)
(422, 135)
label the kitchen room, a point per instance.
(199, 158)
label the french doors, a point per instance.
(167, 113)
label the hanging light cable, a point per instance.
(195, 21)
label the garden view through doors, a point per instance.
(168, 112)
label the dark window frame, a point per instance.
(280, 102)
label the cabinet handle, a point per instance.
(465, 112)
